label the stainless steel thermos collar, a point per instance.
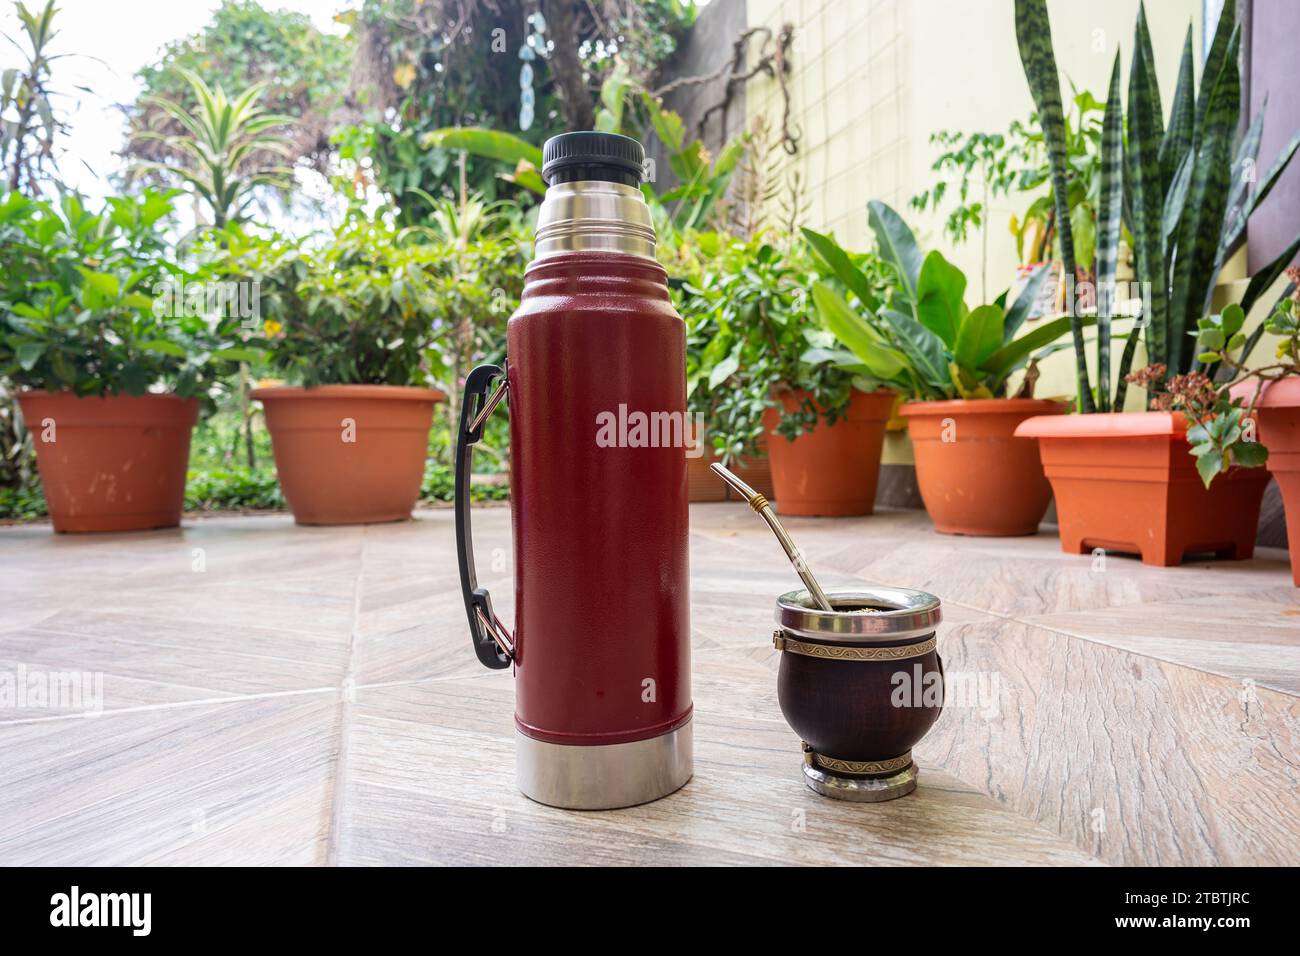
(595, 216)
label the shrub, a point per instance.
(80, 306)
(750, 334)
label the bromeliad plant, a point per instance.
(916, 334)
(1183, 191)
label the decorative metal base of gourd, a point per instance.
(871, 781)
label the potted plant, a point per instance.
(697, 294)
(953, 363)
(766, 372)
(1124, 481)
(1241, 417)
(111, 366)
(350, 323)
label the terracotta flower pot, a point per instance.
(349, 454)
(703, 485)
(1126, 482)
(975, 476)
(113, 462)
(1278, 412)
(831, 470)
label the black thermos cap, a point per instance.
(608, 157)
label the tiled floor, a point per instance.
(276, 694)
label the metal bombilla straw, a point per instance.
(764, 508)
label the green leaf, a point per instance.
(940, 289)
(28, 354)
(724, 370)
(1182, 115)
(1203, 213)
(1215, 59)
(1109, 213)
(237, 354)
(1144, 187)
(487, 143)
(1020, 309)
(104, 283)
(979, 337)
(1233, 318)
(667, 124)
(837, 260)
(1002, 362)
(1264, 278)
(162, 346)
(922, 347)
(884, 362)
(1249, 454)
(897, 245)
(1210, 464)
(1034, 38)
(138, 301)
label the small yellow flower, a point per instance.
(404, 75)
(272, 328)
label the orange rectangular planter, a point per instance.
(1127, 482)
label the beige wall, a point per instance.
(872, 79)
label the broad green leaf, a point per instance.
(237, 354)
(940, 289)
(924, 349)
(28, 354)
(1024, 304)
(897, 245)
(724, 370)
(105, 283)
(885, 362)
(162, 346)
(1004, 360)
(667, 124)
(1210, 464)
(1249, 454)
(979, 337)
(838, 261)
(487, 143)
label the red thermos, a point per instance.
(596, 385)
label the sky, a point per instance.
(113, 40)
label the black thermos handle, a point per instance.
(492, 642)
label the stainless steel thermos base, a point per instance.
(604, 777)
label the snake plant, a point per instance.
(1182, 189)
